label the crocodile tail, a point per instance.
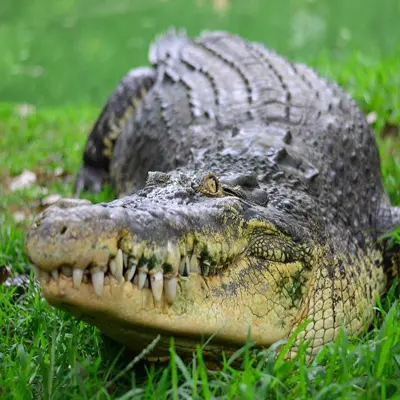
(167, 46)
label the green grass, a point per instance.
(45, 353)
(74, 51)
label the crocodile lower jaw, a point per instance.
(120, 302)
(133, 310)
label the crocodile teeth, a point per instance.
(131, 272)
(98, 281)
(119, 260)
(194, 264)
(113, 266)
(173, 255)
(138, 250)
(54, 274)
(67, 271)
(142, 277)
(125, 256)
(157, 285)
(170, 289)
(187, 263)
(77, 275)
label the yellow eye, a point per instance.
(211, 185)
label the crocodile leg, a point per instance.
(118, 111)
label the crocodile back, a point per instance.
(221, 93)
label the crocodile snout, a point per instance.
(78, 236)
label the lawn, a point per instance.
(45, 353)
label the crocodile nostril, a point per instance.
(63, 230)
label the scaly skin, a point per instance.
(264, 212)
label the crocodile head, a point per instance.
(190, 255)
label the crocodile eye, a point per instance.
(211, 186)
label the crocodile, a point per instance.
(249, 202)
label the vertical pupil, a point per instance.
(213, 185)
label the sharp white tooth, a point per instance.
(194, 264)
(173, 255)
(170, 289)
(54, 274)
(77, 275)
(119, 261)
(147, 253)
(138, 250)
(125, 256)
(182, 249)
(160, 254)
(131, 272)
(142, 272)
(113, 266)
(67, 271)
(190, 242)
(98, 282)
(157, 285)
